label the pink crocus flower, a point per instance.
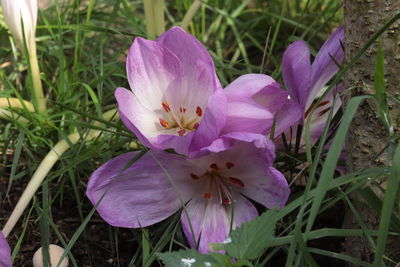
(306, 82)
(214, 188)
(5, 258)
(175, 92)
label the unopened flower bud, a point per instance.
(55, 253)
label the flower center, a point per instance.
(181, 122)
(218, 183)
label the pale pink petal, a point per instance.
(153, 71)
(296, 71)
(207, 221)
(323, 67)
(141, 193)
(5, 253)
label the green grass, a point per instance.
(82, 49)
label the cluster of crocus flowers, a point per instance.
(307, 82)
(221, 136)
(5, 254)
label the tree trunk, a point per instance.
(367, 136)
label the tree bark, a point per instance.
(367, 137)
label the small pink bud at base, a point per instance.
(55, 253)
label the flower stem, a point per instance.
(45, 166)
(154, 15)
(38, 96)
(11, 102)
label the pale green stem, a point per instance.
(38, 96)
(45, 166)
(154, 16)
(190, 14)
(11, 102)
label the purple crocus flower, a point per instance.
(213, 188)
(306, 82)
(5, 258)
(175, 92)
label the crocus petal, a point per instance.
(244, 112)
(287, 116)
(323, 67)
(212, 123)
(13, 12)
(140, 194)
(267, 186)
(320, 117)
(193, 56)
(152, 69)
(296, 71)
(232, 143)
(209, 221)
(243, 211)
(5, 258)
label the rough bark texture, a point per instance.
(367, 136)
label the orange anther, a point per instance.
(164, 123)
(166, 107)
(195, 126)
(227, 201)
(199, 111)
(182, 109)
(207, 195)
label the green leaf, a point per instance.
(387, 208)
(189, 258)
(380, 90)
(250, 239)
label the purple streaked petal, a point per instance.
(141, 194)
(266, 186)
(5, 253)
(244, 112)
(212, 123)
(209, 221)
(151, 70)
(287, 116)
(137, 118)
(323, 67)
(191, 52)
(296, 71)
(243, 211)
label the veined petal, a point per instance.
(137, 118)
(237, 144)
(266, 185)
(244, 112)
(323, 67)
(212, 123)
(140, 194)
(247, 117)
(287, 116)
(152, 71)
(192, 54)
(243, 211)
(13, 12)
(296, 71)
(5, 253)
(209, 221)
